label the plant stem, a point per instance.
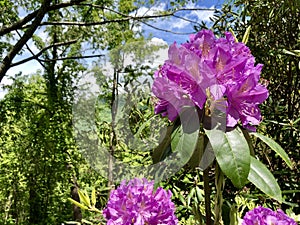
(207, 196)
(219, 182)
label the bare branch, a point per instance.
(41, 52)
(195, 9)
(127, 18)
(27, 46)
(5, 65)
(81, 24)
(165, 30)
(38, 15)
(185, 19)
(73, 57)
(19, 24)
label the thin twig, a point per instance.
(165, 30)
(185, 19)
(6, 63)
(32, 53)
(124, 19)
(19, 24)
(41, 52)
(73, 57)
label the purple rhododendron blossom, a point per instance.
(266, 216)
(136, 203)
(206, 64)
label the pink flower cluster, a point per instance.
(136, 203)
(218, 73)
(266, 216)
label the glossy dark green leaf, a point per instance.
(263, 179)
(184, 144)
(232, 154)
(163, 149)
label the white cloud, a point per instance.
(158, 41)
(5, 81)
(203, 15)
(144, 11)
(180, 23)
(162, 55)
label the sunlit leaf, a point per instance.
(93, 197)
(275, 147)
(264, 180)
(78, 204)
(246, 35)
(184, 144)
(84, 198)
(232, 153)
(233, 34)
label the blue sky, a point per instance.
(177, 25)
(182, 27)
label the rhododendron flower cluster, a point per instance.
(266, 216)
(137, 203)
(219, 73)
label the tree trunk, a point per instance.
(77, 215)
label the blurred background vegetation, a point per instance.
(40, 163)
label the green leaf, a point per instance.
(78, 204)
(72, 222)
(233, 215)
(199, 194)
(292, 52)
(161, 151)
(232, 153)
(196, 159)
(232, 32)
(93, 197)
(84, 198)
(86, 221)
(181, 141)
(190, 196)
(264, 180)
(184, 144)
(246, 35)
(275, 147)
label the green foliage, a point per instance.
(232, 154)
(8, 12)
(188, 195)
(39, 156)
(274, 41)
(27, 139)
(88, 202)
(262, 178)
(276, 147)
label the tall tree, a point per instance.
(91, 18)
(37, 142)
